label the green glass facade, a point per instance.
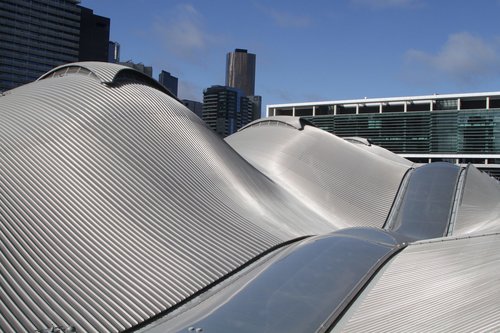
(441, 132)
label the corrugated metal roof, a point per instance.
(439, 286)
(106, 72)
(117, 203)
(295, 122)
(380, 151)
(324, 172)
(479, 208)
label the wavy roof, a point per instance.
(119, 207)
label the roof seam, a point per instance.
(448, 238)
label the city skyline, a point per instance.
(318, 51)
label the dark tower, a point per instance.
(94, 36)
(169, 81)
(36, 36)
(240, 71)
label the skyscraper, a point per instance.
(168, 81)
(38, 35)
(94, 36)
(240, 71)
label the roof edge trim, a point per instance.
(295, 122)
(109, 74)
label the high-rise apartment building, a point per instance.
(38, 35)
(240, 71)
(168, 81)
(226, 109)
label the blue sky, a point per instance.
(316, 50)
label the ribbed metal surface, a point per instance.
(116, 203)
(295, 122)
(341, 181)
(106, 72)
(440, 286)
(479, 209)
(379, 151)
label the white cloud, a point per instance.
(184, 34)
(286, 19)
(377, 4)
(464, 59)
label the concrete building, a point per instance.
(456, 128)
(169, 81)
(240, 71)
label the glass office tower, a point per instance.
(36, 37)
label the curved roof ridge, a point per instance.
(296, 122)
(108, 73)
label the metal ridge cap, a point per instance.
(110, 73)
(95, 67)
(295, 122)
(452, 238)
